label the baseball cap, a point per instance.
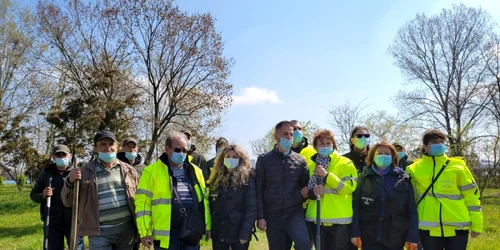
(398, 144)
(127, 140)
(61, 148)
(187, 132)
(221, 142)
(104, 134)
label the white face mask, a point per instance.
(231, 163)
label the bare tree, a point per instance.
(93, 58)
(180, 55)
(391, 128)
(343, 119)
(442, 56)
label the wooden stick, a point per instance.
(74, 214)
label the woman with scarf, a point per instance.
(333, 178)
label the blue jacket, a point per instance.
(385, 209)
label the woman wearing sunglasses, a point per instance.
(385, 213)
(233, 203)
(359, 144)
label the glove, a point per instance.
(411, 246)
(356, 241)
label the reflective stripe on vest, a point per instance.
(436, 224)
(468, 187)
(455, 197)
(145, 192)
(142, 213)
(349, 178)
(161, 201)
(474, 208)
(161, 233)
(331, 191)
(333, 221)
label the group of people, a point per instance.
(373, 197)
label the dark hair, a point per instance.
(294, 121)
(354, 132)
(433, 134)
(324, 133)
(371, 154)
(282, 124)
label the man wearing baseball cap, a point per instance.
(220, 144)
(106, 211)
(50, 184)
(193, 157)
(402, 156)
(130, 155)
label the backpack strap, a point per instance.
(433, 181)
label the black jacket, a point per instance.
(357, 158)
(233, 212)
(404, 162)
(384, 209)
(59, 214)
(279, 181)
(137, 164)
(301, 146)
(200, 161)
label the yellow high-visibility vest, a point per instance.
(453, 202)
(153, 202)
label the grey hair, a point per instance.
(171, 135)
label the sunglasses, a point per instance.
(178, 150)
(295, 129)
(363, 135)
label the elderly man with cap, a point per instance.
(130, 155)
(106, 211)
(50, 184)
(220, 144)
(402, 156)
(193, 157)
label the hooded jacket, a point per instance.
(137, 164)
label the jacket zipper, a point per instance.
(440, 205)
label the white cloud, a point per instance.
(254, 95)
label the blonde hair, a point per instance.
(240, 174)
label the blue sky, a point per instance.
(294, 59)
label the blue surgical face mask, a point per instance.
(189, 145)
(326, 151)
(361, 143)
(131, 155)
(219, 150)
(286, 144)
(107, 157)
(297, 136)
(437, 149)
(383, 161)
(62, 162)
(401, 155)
(231, 163)
(178, 158)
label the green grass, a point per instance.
(21, 228)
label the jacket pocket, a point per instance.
(398, 226)
(234, 225)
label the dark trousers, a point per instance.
(335, 237)
(283, 229)
(56, 236)
(457, 242)
(380, 246)
(220, 245)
